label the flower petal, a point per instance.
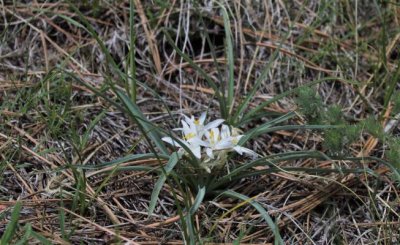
(224, 144)
(185, 124)
(202, 118)
(198, 141)
(210, 153)
(186, 118)
(213, 124)
(171, 141)
(196, 151)
(241, 150)
(225, 133)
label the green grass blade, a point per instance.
(148, 127)
(89, 28)
(267, 129)
(391, 88)
(41, 238)
(292, 91)
(272, 122)
(211, 83)
(193, 235)
(12, 225)
(230, 58)
(61, 218)
(173, 160)
(132, 157)
(93, 123)
(264, 214)
(244, 104)
(198, 200)
(132, 65)
(27, 235)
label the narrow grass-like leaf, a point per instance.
(289, 92)
(272, 122)
(26, 236)
(264, 214)
(41, 238)
(244, 104)
(313, 171)
(245, 171)
(259, 115)
(267, 129)
(211, 83)
(61, 218)
(391, 88)
(109, 59)
(70, 20)
(132, 157)
(138, 116)
(93, 123)
(230, 58)
(173, 160)
(198, 200)
(132, 65)
(12, 225)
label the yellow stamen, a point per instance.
(234, 141)
(196, 122)
(212, 137)
(189, 136)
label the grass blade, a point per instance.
(12, 225)
(132, 65)
(264, 214)
(198, 200)
(148, 127)
(173, 160)
(132, 157)
(230, 58)
(193, 235)
(211, 83)
(27, 235)
(267, 129)
(292, 91)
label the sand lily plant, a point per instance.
(209, 143)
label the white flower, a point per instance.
(192, 126)
(218, 141)
(193, 131)
(197, 137)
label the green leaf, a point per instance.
(289, 92)
(244, 104)
(211, 83)
(41, 238)
(269, 124)
(138, 116)
(86, 135)
(264, 214)
(266, 129)
(27, 235)
(194, 236)
(198, 200)
(230, 57)
(173, 160)
(12, 225)
(132, 157)
(132, 65)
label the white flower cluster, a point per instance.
(214, 138)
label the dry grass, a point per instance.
(44, 118)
